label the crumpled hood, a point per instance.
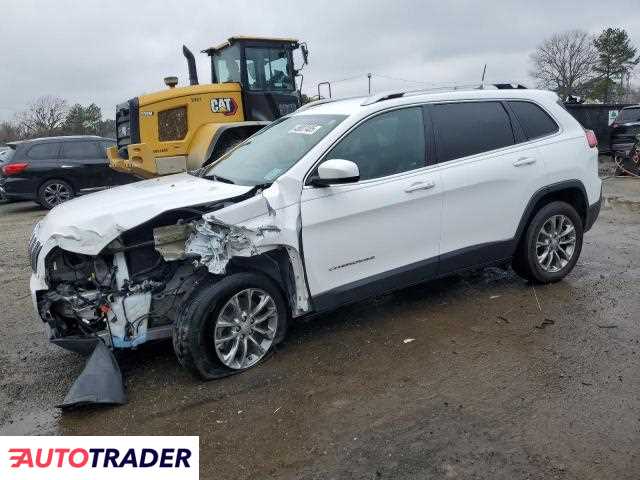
(87, 224)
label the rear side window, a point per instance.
(628, 115)
(43, 151)
(534, 120)
(386, 144)
(469, 128)
(80, 150)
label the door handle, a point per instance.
(66, 166)
(524, 161)
(419, 186)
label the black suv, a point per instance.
(55, 169)
(624, 129)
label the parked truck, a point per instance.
(253, 82)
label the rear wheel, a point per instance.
(551, 245)
(54, 192)
(230, 325)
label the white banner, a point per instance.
(98, 458)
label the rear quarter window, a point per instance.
(44, 151)
(535, 122)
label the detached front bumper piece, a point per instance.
(100, 383)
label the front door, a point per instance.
(383, 231)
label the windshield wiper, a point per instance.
(218, 178)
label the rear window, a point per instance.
(44, 151)
(471, 127)
(534, 120)
(628, 115)
(80, 150)
(6, 155)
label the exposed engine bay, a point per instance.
(132, 290)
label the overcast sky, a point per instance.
(108, 51)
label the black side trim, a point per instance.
(377, 285)
(467, 258)
(592, 213)
(556, 187)
(476, 256)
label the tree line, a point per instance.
(50, 116)
(584, 67)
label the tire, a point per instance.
(202, 317)
(54, 192)
(561, 244)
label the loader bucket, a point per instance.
(100, 383)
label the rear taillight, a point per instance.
(591, 138)
(14, 168)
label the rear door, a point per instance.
(488, 179)
(83, 161)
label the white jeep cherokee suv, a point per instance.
(335, 203)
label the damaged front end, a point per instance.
(129, 292)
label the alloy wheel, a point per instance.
(245, 328)
(56, 193)
(555, 243)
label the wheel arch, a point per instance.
(572, 192)
(274, 264)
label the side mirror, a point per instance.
(305, 53)
(336, 172)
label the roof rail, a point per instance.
(315, 103)
(379, 97)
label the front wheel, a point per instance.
(551, 245)
(230, 325)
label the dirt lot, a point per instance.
(492, 386)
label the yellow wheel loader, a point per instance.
(253, 82)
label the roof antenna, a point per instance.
(484, 71)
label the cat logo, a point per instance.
(226, 106)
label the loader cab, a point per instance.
(265, 69)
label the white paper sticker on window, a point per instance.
(305, 129)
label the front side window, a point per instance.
(268, 69)
(80, 150)
(264, 157)
(43, 151)
(386, 144)
(469, 128)
(534, 121)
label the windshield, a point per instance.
(268, 154)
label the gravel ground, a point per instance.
(500, 380)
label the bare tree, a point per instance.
(564, 62)
(44, 117)
(9, 131)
